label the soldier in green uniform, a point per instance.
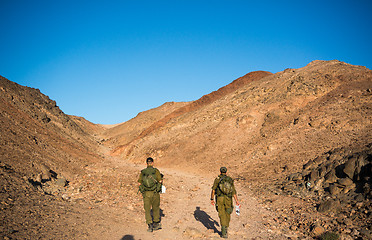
(224, 190)
(150, 182)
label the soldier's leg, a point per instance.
(229, 210)
(156, 207)
(147, 200)
(222, 214)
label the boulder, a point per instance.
(313, 176)
(345, 181)
(61, 182)
(349, 168)
(330, 206)
(330, 177)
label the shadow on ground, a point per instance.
(206, 220)
(127, 237)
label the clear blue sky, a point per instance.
(109, 60)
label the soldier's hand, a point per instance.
(212, 202)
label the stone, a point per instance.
(346, 237)
(345, 181)
(317, 230)
(348, 222)
(45, 173)
(366, 233)
(349, 168)
(318, 184)
(334, 190)
(330, 177)
(329, 206)
(62, 182)
(313, 175)
(348, 188)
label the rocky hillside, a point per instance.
(41, 149)
(298, 140)
(272, 124)
(307, 131)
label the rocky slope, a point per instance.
(41, 149)
(269, 128)
(298, 140)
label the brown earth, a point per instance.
(298, 144)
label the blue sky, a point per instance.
(109, 60)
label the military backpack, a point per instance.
(225, 185)
(149, 182)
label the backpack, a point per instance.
(226, 185)
(149, 179)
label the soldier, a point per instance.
(223, 188)
(150, 182)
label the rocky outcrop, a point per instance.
(339, 181)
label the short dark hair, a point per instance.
(223, 169)
(149, 159)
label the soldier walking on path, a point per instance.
(150, 181)
(224, 190)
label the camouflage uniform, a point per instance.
(224, 203)
(151, 200)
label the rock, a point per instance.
(330, 177)
(334, 189)
(39, 178)
(313, 175)
(349, 168)
(62, 182)
(45, 173)
(348, 222)
(317, 230)
(348, 188)
(345, 181)
(346, 237)
(366, 233)
(65, 197)
(355, 232)
(359, 198)
(329, 206)
(318, 184)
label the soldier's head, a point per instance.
(149, 161)
(223, 170)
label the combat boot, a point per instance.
(150, 228)
(224, 232)
(157, 226)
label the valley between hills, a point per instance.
(297, 143)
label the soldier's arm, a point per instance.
(236, 200)
(212, 197)
(235, 196)
(158, 176)
(140, 179)
(214, 187)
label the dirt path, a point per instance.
(186, 212)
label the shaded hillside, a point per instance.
(41, 149)
(192, 106)
(35, 129)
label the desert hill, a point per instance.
(274, 122)
(298, 140)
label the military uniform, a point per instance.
(224, 203)
(151, 199)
